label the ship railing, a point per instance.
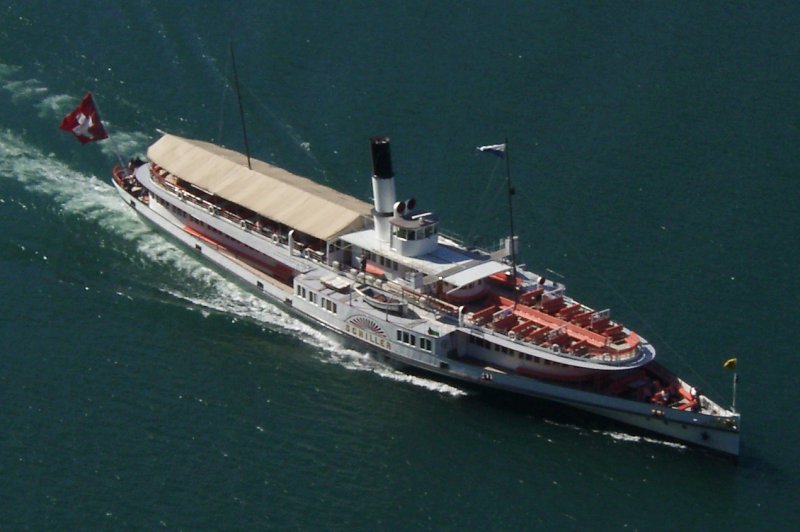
(187, 196)
(555, 291)
(502, 313)
(312, 254)
(453, 237)
(458, 240)
(555, 333)
(183, 194)
(606, 358)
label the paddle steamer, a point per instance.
(384, 274)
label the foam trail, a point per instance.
(95, 200)
(232, 300)
(620, 436)
(6, 71)
(625, 437)
(56, 105)
(24, 89)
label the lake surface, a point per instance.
(653, 148)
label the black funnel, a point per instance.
(381, 157)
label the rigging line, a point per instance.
(288, 129)
(704, 383)
(486, 207)
(225, 88)
(241, 108)
(291, 133)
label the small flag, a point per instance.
(84, 122)
(730, 364)
(494, 149)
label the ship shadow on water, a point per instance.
(562, 420)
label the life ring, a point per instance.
(307, 253)
(210, 209)
(555, 348)
(275, 238)
(243, 223)
(181, 194)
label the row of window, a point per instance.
(183, 214)
(329, 305)
(510, 352)
(170, 206)
(312, 297)
(180, 213)
(383, 261)
(416, 234)
(407, 338)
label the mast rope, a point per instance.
(292, 134)
(487, 203)
(272, 117)
(225, 88)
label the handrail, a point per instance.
(606, 358)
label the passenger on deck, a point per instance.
(659, 394)
(666, 394)
(696, 399)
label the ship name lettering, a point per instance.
(367, 336)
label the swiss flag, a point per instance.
(84, 122)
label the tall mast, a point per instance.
(241, 109)
(511, 220)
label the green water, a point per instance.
(653, 149)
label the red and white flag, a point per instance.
(84, 122)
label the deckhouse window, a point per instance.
(329, 305)
(406, 338)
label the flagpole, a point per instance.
(105, 126)
(731, 364)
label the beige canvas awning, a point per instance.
(267, 190)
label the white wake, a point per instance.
(94, 199)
